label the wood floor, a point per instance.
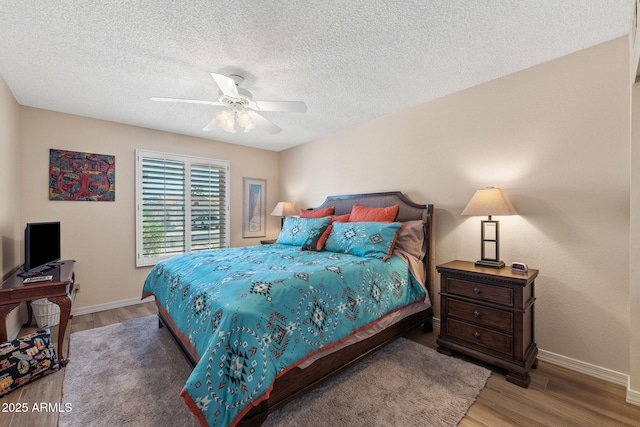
(556, 396)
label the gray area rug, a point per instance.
(131, 373)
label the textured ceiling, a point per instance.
(349, 61)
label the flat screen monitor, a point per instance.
(41, 245)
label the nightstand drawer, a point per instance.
(481, 315)
(480, 291)
(478, 335)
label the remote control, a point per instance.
(37, 279)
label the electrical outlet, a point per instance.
(76, 288)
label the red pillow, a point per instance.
(325, 235)
(323, 239)
(364, 214)
(340, 218)
(316, 213)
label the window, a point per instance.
(181, 205)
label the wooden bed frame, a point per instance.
(298, 381)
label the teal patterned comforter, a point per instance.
(252, 313)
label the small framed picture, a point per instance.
(254, 214)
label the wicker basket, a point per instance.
(46, 312)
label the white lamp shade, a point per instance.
(244, 120)
(226, 120)
(284, 209)
(489, 201)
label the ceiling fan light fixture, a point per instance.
(244, 120)
(226, 120)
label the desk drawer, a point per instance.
(481, 315)
(480, 336)
(481, 292)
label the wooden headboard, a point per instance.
(408, 211)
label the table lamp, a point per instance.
(283, 209)
(489, 201)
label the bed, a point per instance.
(264, 324)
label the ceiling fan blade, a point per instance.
(261, 121)
(187, 101)
(212, 125)
(286, 106)
(226, 85)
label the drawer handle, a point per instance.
(476, 313)
(476, 291)
(476, 335)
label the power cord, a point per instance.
(75, 294)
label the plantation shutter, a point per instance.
(208, 206)
(182, 205)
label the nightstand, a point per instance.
(488, 314)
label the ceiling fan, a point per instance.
(240, 106)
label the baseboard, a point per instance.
(584, 368)
(436, 322)
(108, 306)
(633, 397)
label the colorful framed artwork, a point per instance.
(81, 176)
(254, 214)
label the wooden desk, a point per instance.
(57, 290)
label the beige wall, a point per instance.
(100, 236)
(556, 138)
(9, 191)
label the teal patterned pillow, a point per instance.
(297, 231)
(366, 239)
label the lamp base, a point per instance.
(489, 263)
